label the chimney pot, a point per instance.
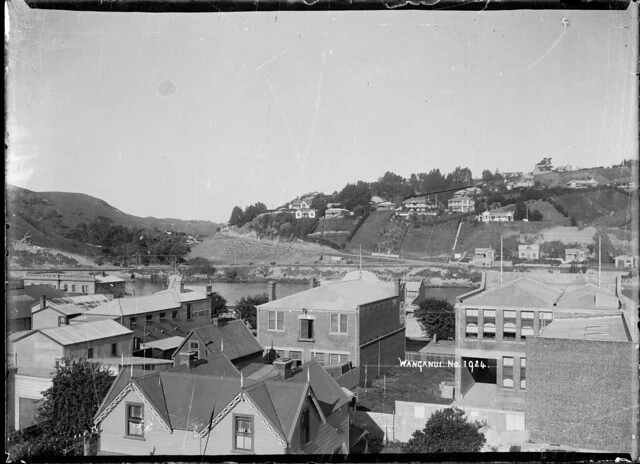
(43, 301)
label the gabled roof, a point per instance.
(77, 333)
(522, 292)
(20, 300)
(184, 296)
(588, 328)
(233, 339)
(344, 295)
(329, 394)
(218, 365)
(82, 333)
(413, 286)
(138, 305)
(165, 343)
(588, 296)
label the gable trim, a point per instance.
(147, 403)
(226, 410)
(299, 409)
(266, 422)
(126, 390)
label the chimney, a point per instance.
(398, 289)
(312, 283)
(43, 301)
(185, 358)
(217, 322)
(104, 274)
(283, 367)
(181, 286)
(272, 290)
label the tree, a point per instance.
(436, 317)
(487, 176)
(535, 215)
(237, 217)
(78, 387)
(218, 304)
(246, 307)
(521, 211)
(447, 431)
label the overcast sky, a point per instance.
(187, 115)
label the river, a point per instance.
(232, 292)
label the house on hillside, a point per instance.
(305, 213)
(354, 320)
(484, 257)
(33, 356)
(330, 213)
(575, 255)
(582, 183)
(626, 261)
(232, 338)
(385, 206)
(293, 411)
(462, 204)
(519, 345)
(495, 216)
(529, 251)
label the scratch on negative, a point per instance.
(548, 51)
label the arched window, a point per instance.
(489, 325)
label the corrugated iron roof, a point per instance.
(588, 328)
(137, 305)
(523, 292)
(184, 296)
(588, 296)
(336, 296)
(233, 339)
(165, 343)
(79, 333)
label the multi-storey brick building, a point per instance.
(561, 351)
(351, 320)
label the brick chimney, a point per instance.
(312, 283)
(43, 301)
(283, 367)
(272, 290)
(185, 358)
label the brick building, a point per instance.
(562, 351)
(357, 321)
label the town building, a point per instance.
(78, 283)
(231, 338)
(356, 320)
(414, 292)
(577, 255)
(462, 204)
(549, 349)
(180, 411)
(33, 356)
(20, 299)
(495, 216)
(529, 251)
(54, 312)
(484, 257)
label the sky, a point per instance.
(188, 115)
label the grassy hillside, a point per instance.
(602, 175)
(48, 217)
(610, 208)
(430, 239)
(370, 231)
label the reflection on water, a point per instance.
(232, 292)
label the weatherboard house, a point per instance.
(220, 411)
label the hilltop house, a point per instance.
(529, 251)
(522, 345)
(295, 411)
(353, 320)
(79, 283)
(33, 356)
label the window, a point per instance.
(195, 347)
(136, 343)
(243, 433)
(339, 323)
(338, 358)
(509, 325)
(163, 317)
(305, 432)
(149, 319)
(133, 320)
(89, 353)
(489, 325)
(114, 349)
(319, 357)
(188, 312)
(526, 324)
(62, 320)
(545, 318)
(66, 287)
(471, 329)
(276, 320)
(306, 329)
(135, 420)
(523, 373)
(296, 356)
(73, 288)
(507, 372)
(174, 315)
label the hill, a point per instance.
(601, 175)
(48, 217)
(609, 207)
